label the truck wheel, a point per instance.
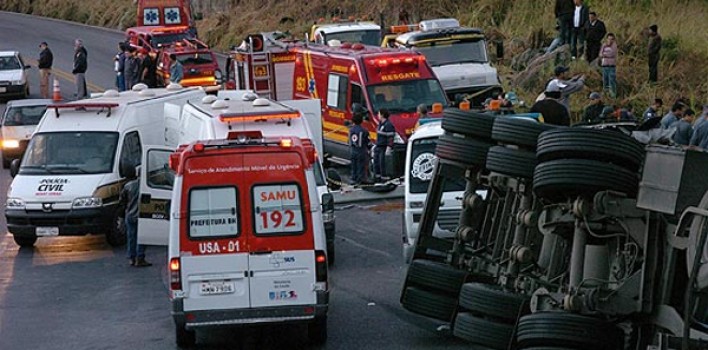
(185, 338)
(563, 329)
(430, 304)
(317, 331)
(435, 275)
(468, 123)
(465, 151)
(25, 241)
(568, 178)
(483, 332)
(511, 162)
(580, 143)
(518, 131)
(116, 235)
(491, 300)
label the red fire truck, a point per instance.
(200, 65)
(154, 38)
(340, 77)
(164, 13)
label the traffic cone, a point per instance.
(56, 94)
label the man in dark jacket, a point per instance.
(654, 50)
(80, 66)
(594, 33)
(359, 148)
(385, 133)
(564, 16)
(593, 111)
(46, 59)
(553, 112)
(129, 199)
(577, 32)
(132, 69)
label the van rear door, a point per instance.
(213, 243)
(156, 182)
(282, 248)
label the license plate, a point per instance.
(47, 231)
(214, 288)
(3, 89)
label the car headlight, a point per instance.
(18, 82)
(398, 139)
(9, 143)
(15, 203)
(87, 202)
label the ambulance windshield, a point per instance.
(405, 95)
(441, 53)
(70, 153)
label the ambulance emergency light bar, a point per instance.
(251, 117)
(84, 107)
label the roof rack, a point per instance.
(84, 107)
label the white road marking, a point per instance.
(362, 246)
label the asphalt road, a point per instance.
(79, 293)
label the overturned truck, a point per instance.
(586, 239)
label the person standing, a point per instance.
(567, 86)
(594, 33)
(120, 65)
(384, 141)
(564, 16)
(80, 67)
(676, 113)
(552, 111)
(702, 117)
(684, 129)
(700, 134)
(129, 199)
(608, 56)
(150, 69)
(359, 147)
(132, 69)
(654, 52)
(176, 70)
(46, 59)
(653, 110)
(577, 33)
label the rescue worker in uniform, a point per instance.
(384, 140)
(359, 146)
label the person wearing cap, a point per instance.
(566, 86)
(552, 111)
(46, 59)
(653, 110)
(176, 69)
(608, 61)
(593, 111)
(80, 67)
(653, 52)
(684, 129)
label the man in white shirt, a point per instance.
(577, 33)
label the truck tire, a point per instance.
(435, 305)
(465, 151)
(468, 123)
(185, 338)
(25, 241)
(116, 235)
(563, 329)
(435, 275)
(522, 132)
(491, 300)
(581, 143)
(568, 178)
(317, 331)
(483, 332)
(511, 162)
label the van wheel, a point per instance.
(436, 305)
(436, 275)
(483, 332)
(116, 235)
(317, 331)
(185, 338)
(25, 241)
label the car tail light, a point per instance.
(175, 274)
(321, 266)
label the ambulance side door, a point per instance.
(156, 182)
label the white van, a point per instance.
(247, 242)
(420, 164)
(214, 117)
(71, 175)
(18, 124)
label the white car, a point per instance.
(17, 126)
(13, 75)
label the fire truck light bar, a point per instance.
(240, 117)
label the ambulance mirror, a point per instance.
(327, 202)
(14, 167)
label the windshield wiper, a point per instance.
(33, 168)
(61, 168)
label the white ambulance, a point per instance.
(75, 166)
(247, 242)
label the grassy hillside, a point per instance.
(521, 24)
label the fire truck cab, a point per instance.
(458, 56)
(363, 32)
(200, 65)
(154, 38)
(247, 243)
(164, 13)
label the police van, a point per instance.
(247, 242)
(213, 118)
(420, 166)
(76, 163)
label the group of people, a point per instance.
(689, 130)
(46, 61)
(133, 66)
(359, 145)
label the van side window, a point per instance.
(277, 210)
(213, 212)
(357, 95)
(159, 174)
(132, 151)
(337, 91)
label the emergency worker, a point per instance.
(384, 141)
(129, 199)
(359, 146)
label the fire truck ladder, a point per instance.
(261, 65)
